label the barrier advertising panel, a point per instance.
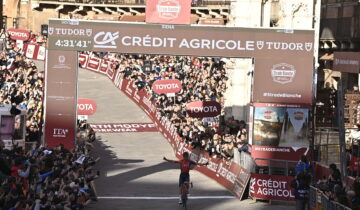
(271, 187)
(123, 127)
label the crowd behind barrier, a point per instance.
(203, 79)
(331, 192)
(48, 178)
(40, 178)
(22, 84)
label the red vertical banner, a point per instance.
(61, 98)
(168, 11)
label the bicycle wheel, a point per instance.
(184, 200)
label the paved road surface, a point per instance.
(133, 174)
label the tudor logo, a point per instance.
(105, 40)
(283, 73)
(168, 9)
(88, 32)
(260, 44)
(51, 30)
(308, 46)
(60, 132)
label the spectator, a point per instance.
(334, 177)
(303, 166)
(301, 183)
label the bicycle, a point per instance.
(184, 193)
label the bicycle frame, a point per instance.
(184, 194)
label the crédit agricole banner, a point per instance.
(283, 58)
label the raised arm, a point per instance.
(171, 161)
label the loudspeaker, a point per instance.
(14, 110)
(148, 65)
(44, 29)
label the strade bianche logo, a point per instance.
(105, 39)
(283, 73)
(168, 9)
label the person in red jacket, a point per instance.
(185, 165)
(18, 172)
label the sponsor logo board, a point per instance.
(166, 86)
(202, 109)
(86, 106)
(271, 187)
(19, 34)
(123, 127)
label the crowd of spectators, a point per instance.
(334, 188)
(203, 79)
(39, 178)
(46, 179)
(22, 84)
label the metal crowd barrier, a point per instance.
(318, 200)
(245, 160)
(275, 167)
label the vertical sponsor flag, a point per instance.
(30, 51)
(168, 11)
(60, 98)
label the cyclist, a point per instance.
(185, 166)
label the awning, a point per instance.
(131, 18)
(347, 62)
(212, 21)
(106, 17)
(327, 56)
(194, 18)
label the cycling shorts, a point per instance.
(184, 177)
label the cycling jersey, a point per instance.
(185, 165)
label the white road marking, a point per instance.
(162, 198)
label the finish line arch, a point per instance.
(283, 62)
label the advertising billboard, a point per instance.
(280, 125)
(168, 11)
